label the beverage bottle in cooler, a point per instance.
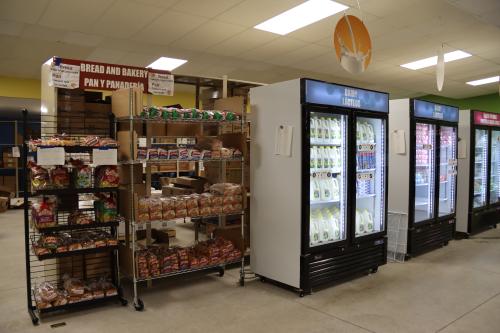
(335, 189)
(316, 190)
(333, 130)
(319, 130)
(326, 190)
(368, 220)
(314, 233)
(331, 157)
(360, 228)
(370, 135)
(326, 157)
(313, 129)
(313, 159)
(336, 224)
(326, 129)
(327, 231)
(311, 189)
(319, 158)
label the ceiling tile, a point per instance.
(78, 38)
(246, 40)
(159, 3)
(136, 59)
(272, 49)
(74, 15)
(101, 54)
(11, 28)
(125, 18)
(37, 32)
(303, 54)
(206, 35)
(205, 8)
(252, 12)
(25, 11)
(169, 27)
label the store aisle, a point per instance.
(455, 289)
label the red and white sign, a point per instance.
(485, 118)
(102, 76)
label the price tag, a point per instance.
(365, 176)
(366, 147)
(452, 162)
(140, 227)
(427, 147)
(161, 84)
(16, 152)
(201, 166)
(104, 157)
(50, 156)
(142, 143)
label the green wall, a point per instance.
(490, 103)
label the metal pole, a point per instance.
(17, 163)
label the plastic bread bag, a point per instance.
(43, 212)
(152, 154)
(227, 209)
(107, 176)
(62, 298)
(169, 214)
(217, 200)
(205, 200)
(181, 213)
(228, 199)
(193, 212)
(192, 201)
(82, 174)
(40, 178)
(106, 208)
(167, 204)
(47, 292)
(73, 286)
(142, 153)
(155, 209)
(79, 218)
(162, 154)
(59, 177)
(206, 211)
(143, 205)
(180, 203)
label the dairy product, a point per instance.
(368, 221)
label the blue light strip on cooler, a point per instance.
(430, 110)
(354, 98)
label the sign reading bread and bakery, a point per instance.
(71, 73)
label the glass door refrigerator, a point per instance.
(423, 163)
(479, 202)
(318, 199)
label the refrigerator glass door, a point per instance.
(370, 176)
(328, 174)
(495, 167)
(425, 169)
(447, 170)
(480, 168)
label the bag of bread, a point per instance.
(191, 201)
(205, 200)
(59, 177)
(193, 212)
(155, 209)
(40, 178)
(205, 211)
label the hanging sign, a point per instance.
(64, 76)
(424, 109)
(161, 84)
(352, 44)
(104, 156)
(102, 76)
(440, 69)
(50, 156)
(485, 118)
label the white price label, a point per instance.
(64, 76)
(161, 84)
(16, 152)
(50, 156)
(452, 162)
(366, 147)
(142, 143)
(201, 166)
(427, 147)
(104, 156)
(365, 176)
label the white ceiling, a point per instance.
(217, 38)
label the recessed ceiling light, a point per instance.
(432, 61)
(484, 81)
(300, 16)
(166, 64)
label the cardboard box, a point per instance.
(233, 233)
(98, 108)
(234, 104)
(121, 100)
(9, 183)
(6, 192)
(124, 197)
(69, 106)
(196, 183)
(4, 204)
(124, 172)
(176, 190)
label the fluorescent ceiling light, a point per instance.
(300, 16)
(166, 64)
(432, 61)
(484, 81)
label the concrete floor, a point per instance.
(454, 289)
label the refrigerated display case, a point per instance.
(479, 205)
(423, 164)
(319, 190)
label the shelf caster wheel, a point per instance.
(374, 270)
(445, 243)
(139, 306)
(123, 301)
(221, 272)
(242, 281)
(262, 279)
(301, 294)
(35, 321)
